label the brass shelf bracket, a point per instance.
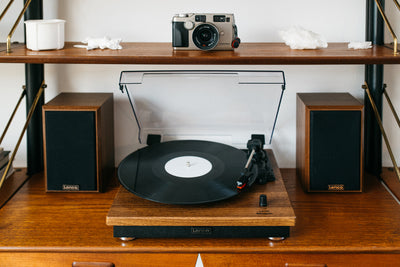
(6, 9)
(23, 94)
(391, 105)
(378, 119)
(380, 8)
(28, 119)
(16, 22)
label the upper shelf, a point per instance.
(163, 53)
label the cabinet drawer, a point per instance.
(39, 259)
(300, 259)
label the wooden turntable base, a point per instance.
(240, 216)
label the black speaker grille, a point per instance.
(71, 150)
(335, 149)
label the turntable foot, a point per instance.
(276, 238)
(127, 238)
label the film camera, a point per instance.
(204, 31)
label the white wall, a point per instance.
(142, 21)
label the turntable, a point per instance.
(202, 176)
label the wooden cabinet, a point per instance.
(58, 229)
(208, 259)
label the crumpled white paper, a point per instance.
(102, 43)
(360, 45)
(299, 38)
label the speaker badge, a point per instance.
(336, 187)
(70, 187)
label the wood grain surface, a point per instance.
(76, 222)
(352, 229)
(12, 184)
(163, 53)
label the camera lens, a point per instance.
(205, 36)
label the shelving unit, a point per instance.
(163, 53)
(246, 54)
(329, 229)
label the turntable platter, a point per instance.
(183, 172)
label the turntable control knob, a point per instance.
(263, 201)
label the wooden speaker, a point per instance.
(329, 142)
(78, 132)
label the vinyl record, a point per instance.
(183, 172)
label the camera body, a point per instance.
(204, 31)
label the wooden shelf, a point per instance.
(350, 228)
(163, 53)
(12, 184)
(389, 177)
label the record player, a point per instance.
(205, 170)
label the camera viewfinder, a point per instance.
(219, 18)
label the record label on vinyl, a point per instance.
(188, 166)
(183, 172)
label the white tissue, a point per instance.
(102, 43)
(299, 38)
(360, 45)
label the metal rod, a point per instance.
(15, 26)
(391, 106)
(380, 8)
(135, 115)
(397, 4)
(34, 75)
(276, 115)
(12, 115)
(34, 136)
(38, 95)
(374, 32)
(378, 118)
(6, 9)
(253, 151)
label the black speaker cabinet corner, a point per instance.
(329, 142)
(78, 132)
